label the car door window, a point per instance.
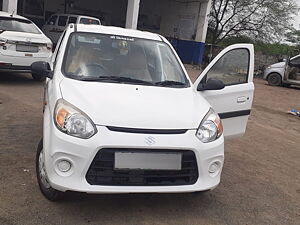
(295, 62)
(52, 20)
(62, 21)
(231, 68)
(72, 19)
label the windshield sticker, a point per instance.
(122, 38)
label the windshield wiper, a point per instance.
(170, 83)
(131, 80)
(115, 79)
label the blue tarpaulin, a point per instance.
(189, 51)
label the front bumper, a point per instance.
(59, 146)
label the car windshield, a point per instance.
(111, 58)
(19, 25)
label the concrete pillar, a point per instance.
(132, 14)
(202, 23)
(10, 6)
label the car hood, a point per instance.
(278, 65)
(136, 106)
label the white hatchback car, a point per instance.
(21, 44)
(122, 116)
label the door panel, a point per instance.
(234, 66)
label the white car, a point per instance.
(56, 24)
(284, 73)
(21, 44)
(122, 116)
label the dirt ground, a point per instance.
(260, 182)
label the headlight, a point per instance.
(73, 121)
(210, 128)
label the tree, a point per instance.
(264, 20)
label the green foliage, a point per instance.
(266, 48)
(264, 20)
(274, 49)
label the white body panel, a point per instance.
(59, 146)
(135, 106)
(122, 105)
(233, 98)
(275, 68)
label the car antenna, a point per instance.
(12, 14)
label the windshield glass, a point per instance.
(99, 57)
(19, 25)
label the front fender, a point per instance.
(267, 72)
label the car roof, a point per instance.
(117, 31)
(6, 14)
(64, 14)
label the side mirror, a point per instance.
(42, 68)
(211, 84)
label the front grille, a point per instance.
(102, 172)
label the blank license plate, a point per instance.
(27, 48)
(148, 161)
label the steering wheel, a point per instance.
(93, 69)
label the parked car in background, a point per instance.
(284, 73)
(57, 23)
(121, 114)
(21, 44)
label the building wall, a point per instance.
(171, 18)
(111, 12)
(175, 19)
(178, 18)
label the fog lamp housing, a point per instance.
(215, 167)
(64, 166)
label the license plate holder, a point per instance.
(147, 161)
(27, 48)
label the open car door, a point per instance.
(234, 66)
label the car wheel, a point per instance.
(274, 79)
(49, 192)
(38, 77)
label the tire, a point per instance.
(49, 192)
(274, 79)
(38, 77)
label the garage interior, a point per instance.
(183, 22)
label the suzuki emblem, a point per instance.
(150, 140)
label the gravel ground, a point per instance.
(260, 182)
